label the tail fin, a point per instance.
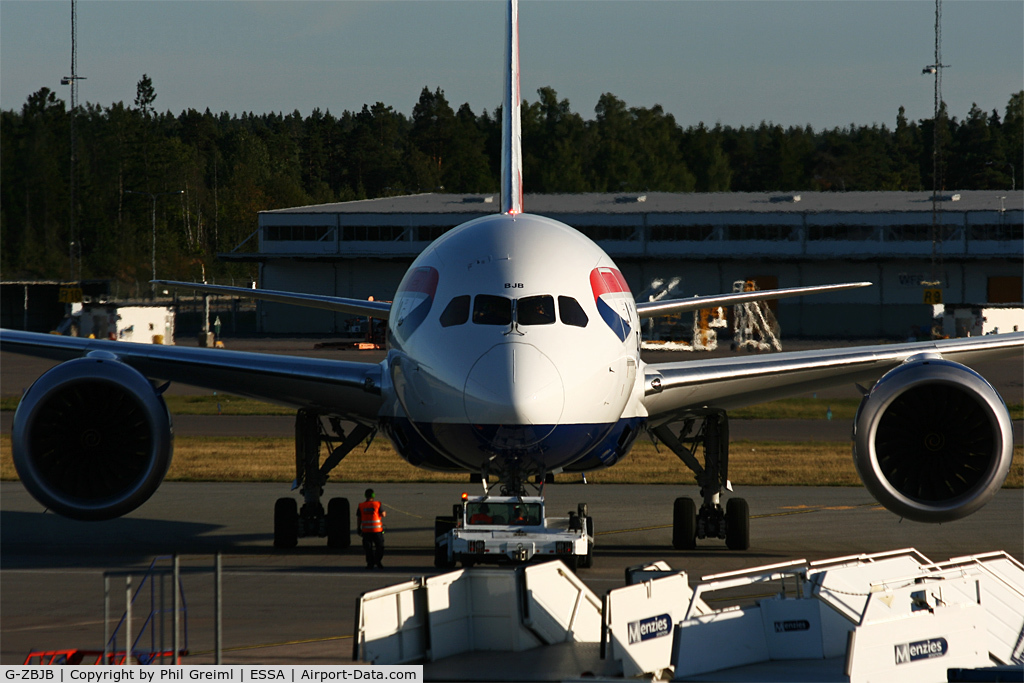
(511, 129)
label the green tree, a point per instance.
(976, 154)
(929, 160)
(554, 143)
(1010, 165)
(613, 166)
(467, 169)
(702, 149)
(34, 210)
(656, 151)
(906, 143)
(373, 160)
(430, 138)
(231, 166)
(145, 95)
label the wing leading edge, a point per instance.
(651, 309)
(673, 390)
(371, 309)
(331, 387)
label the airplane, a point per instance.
(513, 354)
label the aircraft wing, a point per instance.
(676, 390)
(371, 309)
(652, 309)
(344, 388)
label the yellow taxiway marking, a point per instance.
(263, 645)
(392, 507)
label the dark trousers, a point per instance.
(373, 546)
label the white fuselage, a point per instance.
(513, 339)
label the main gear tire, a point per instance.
(737, 524)
(286, 523)
(684, 524)
(339, 529)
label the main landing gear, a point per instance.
(292, 523)
(712, 521)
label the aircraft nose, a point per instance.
(514, 384)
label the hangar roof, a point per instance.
(669, 202)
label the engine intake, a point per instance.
(92, 439)
(932, 441)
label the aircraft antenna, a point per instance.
(937, 183)
(74, 246)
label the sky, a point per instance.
(823, 63)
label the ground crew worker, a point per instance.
(370, 518)
(482, 515)
(519, 516)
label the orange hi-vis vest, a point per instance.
(370, 520)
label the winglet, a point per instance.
(511, 128)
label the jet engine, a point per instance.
(92, 438)
(932, 440)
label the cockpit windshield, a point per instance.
(492, 310)
(456, 312)
(571, 311)
(536, 310)
(489, 309)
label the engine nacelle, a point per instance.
(92, 439)
(932, 441)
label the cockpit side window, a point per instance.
(492, 310)
(536, 310)
(456, 312)
(571, 312)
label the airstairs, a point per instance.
(892, 616)
(754, 325)
(469, 610)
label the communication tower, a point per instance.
(74, 245)
(935, 69)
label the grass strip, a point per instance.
(751, 463)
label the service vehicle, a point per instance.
(512, 530)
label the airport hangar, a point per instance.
(360, 249)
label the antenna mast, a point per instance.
(937, 183)
(74, 246)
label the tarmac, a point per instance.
(298, 606)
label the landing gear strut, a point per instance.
(712, 521)
(291, 522)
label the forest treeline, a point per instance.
(228, 167)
